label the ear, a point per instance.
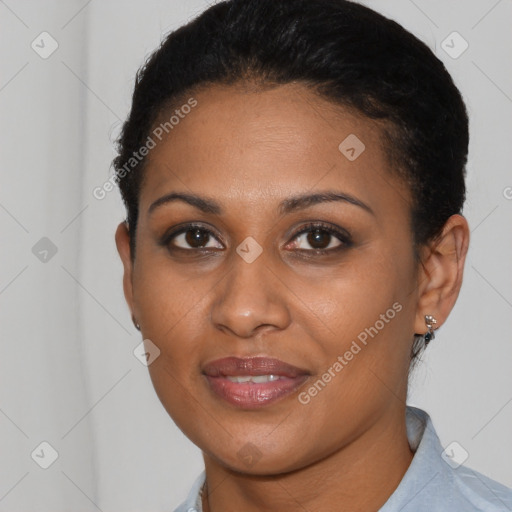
(123, 248)
(440, 276)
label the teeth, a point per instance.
(257, 379)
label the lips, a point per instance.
(235, 366)
(253, 382)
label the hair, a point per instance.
(344, 52)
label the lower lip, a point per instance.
(249, 395)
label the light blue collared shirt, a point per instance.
(434, 481)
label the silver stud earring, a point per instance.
(430, 321)
(137, 326)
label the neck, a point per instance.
(361, 476)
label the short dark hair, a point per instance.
(342, 50)
(345, 52)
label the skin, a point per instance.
(248, 150)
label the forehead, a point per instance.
(257, 146)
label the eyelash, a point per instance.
(343, 237)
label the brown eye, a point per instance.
(320, 238)
(192, 237)
(196, 237)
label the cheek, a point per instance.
(346, 301)
(170, 306)
(165, 295)
(360, 319)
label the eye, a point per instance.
(322, 238)
(191, 236)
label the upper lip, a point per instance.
(251, 366)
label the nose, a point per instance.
(250, 299)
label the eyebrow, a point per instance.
(291, 204)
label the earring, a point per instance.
(430, 321)
(137, 326)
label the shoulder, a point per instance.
(480, 491)
(436, 482)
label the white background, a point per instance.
(67, 372)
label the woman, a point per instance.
(293, 173)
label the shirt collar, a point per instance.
(427, 467)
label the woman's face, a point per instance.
(251, 282)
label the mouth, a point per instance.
(254, 382)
